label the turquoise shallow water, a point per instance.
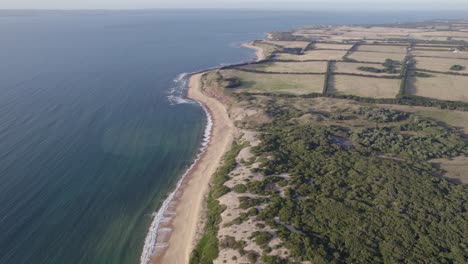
(89, 143)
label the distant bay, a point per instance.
(90, 144)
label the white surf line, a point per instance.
(152, 235)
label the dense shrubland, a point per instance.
(360, 205)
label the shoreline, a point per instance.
(178, 221)
(160, 229)
(190, 200)
(259, 52)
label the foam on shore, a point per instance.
(157, 234)
(165, 215)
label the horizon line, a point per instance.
(231, 8)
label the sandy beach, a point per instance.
(190, 202)
(258, 51)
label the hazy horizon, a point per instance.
(332, 5)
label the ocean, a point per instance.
(94, 130)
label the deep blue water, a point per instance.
(89, 143)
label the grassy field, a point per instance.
(441, 34)
(454, 169)
(332, 46)
(383, 48)
(445, 54)
(440, 64)
(290, 44)
(276, 83)
(293, 67)
(441, 86)
(352, 67)
(432, 48)
(314, 55)
(365, 87)
(375, 56)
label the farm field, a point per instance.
(291, 67)
(432, 48)
(437, 54)
(364, 86)
(332, 46)
(375, 56)
(440, 64)
(352, 67)
(313, 55)
(440, 86)
(276, 83)
(383, 48)
(290, 44)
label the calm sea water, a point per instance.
(89, 142)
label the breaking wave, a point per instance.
(164, 215)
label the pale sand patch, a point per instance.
(290, 44)
(375, 56)
(441, 86)
(190, 203)
(332, 46)
(293, 67)
(243, 231)
(365, 87)
(351, 67)
(383, 48)
(440, 64)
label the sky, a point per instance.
(254, 4)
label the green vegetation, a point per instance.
(239, 188)
(232, 82)
(390, 66)
(401, 100)
(371, 69)
(231, 242)
(295, 51)
(207, 249)
(252, 257)
(444, 145)
(247, 202)
(382, 115)
(261, 238)
(421, 74)
(287, 36)
(361, 205)
(326, 82)
(273, 260)
(457, 67)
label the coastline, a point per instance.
(259, 52)
(189, 201)
(179, 220)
